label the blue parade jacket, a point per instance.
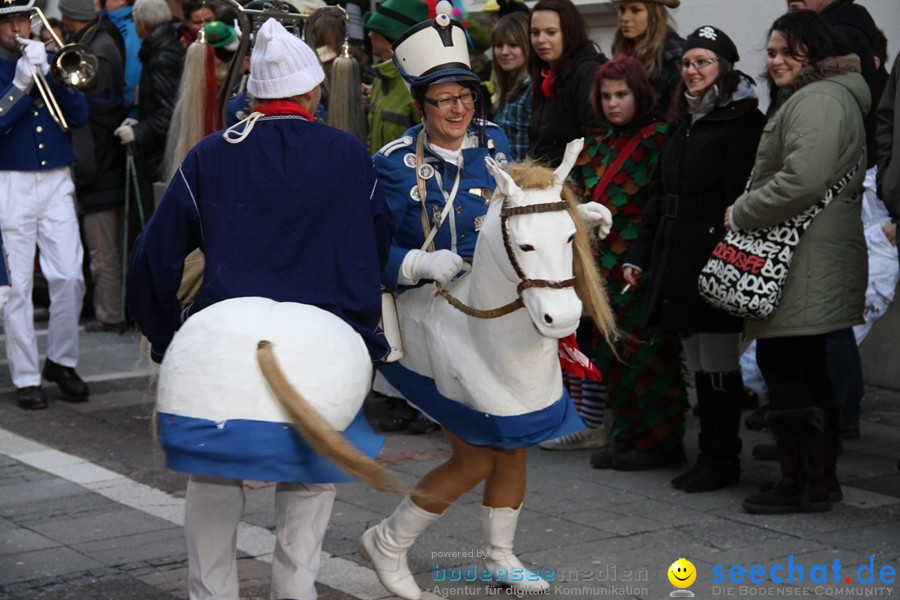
(293, 213)
(396, 166)
(30, 140)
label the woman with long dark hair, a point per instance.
(815, 138)
(562, 67)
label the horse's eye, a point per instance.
(526, 248)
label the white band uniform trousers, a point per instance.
(213, 511)
(37, 208)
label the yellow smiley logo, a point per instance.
(682, 573)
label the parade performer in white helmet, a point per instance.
(436, 180)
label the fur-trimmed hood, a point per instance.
(844, 70)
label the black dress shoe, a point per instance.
(31, 397)
(101, 327)
(644, 460)
(603, 459)
(421, 424)
(68, 381)
(756, 421)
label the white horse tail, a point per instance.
(316, 430)
(194, 115)
(588, 286)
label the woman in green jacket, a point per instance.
(815, 138)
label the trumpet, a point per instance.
(73, 65)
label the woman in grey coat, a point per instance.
(815, 138)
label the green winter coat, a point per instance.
(391, 110)
(815, 137)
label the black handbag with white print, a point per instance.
(746, 272)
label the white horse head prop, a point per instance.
(538, 234)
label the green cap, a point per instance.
(392, 18)
(219, 34)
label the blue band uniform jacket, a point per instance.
(396, 166)
(30, 140)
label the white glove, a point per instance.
(128, 121)
(595, 215)
(125, 133)
(24, 77)
(440, 266)
(36, 53)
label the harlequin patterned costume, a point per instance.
(645, 388)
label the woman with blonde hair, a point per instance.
(645, 33)
(512, 108)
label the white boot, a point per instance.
(498, 529)
(386, 545)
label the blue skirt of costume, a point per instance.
(479, 428)
(257, 450)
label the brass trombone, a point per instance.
(73, 65)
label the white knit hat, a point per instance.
(282, 65)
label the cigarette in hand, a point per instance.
(625, 289)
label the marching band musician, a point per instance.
(37, 207)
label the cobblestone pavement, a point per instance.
(88, 511)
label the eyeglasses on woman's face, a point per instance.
(699, 64)
(467, 99)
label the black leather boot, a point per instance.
(830, 450)
(706, 412)
(722, 466)
(799, 436)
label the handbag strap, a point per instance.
(627, 151)
(804, 219)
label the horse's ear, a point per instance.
(505, 183)
(573, 149)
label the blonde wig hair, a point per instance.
(648, 50)
(193, 107)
